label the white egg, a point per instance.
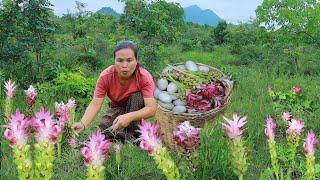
(190, 65)
(162, 84)
(172, 88)
(156, 93)
(179, 102)
(204, 68)
(168, 106)
(179, 109)
(164, 97)
(174, 96)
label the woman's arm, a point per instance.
(90, 113)
(92, 110)
(124, 120)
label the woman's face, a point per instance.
(125, 63)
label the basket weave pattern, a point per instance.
(168, 120)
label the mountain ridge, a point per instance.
(193, 14)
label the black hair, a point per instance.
(126, 44)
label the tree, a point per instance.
(155, 23)
(26, 28)
(39, 25)
(39, 28)
(297, 17)
(158, 20)
(220, 32)
(12, 48)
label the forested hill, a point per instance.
(191, 14)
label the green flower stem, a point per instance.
(118, 160)
(44, 156)
(239, 160)
(166, 164)
(293, 142)
(241, 177)
(7, 109)
(274, 157)
(95, 172)
(310, 167)
(72, 115)
(22, 159)
(59, 142)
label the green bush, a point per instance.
(65, 86)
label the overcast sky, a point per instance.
(231, 10)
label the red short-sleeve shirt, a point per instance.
(108, 84)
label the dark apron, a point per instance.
(135, 102)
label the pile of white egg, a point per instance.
(166, 92)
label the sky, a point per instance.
(233, 11)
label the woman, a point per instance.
(130, 90)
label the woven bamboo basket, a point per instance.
(168, 120)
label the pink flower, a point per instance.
(286, 116)
(10, 87)
(149, 139)
(218, 101)
(17, 130)
(295, 126)
(296, 90)
(186, 135)
(31, 95)
(192, 99)
(62, 112)
(269, 131)
(211, 90)
(71, 103)
(46, 129)
(197, 103)
(72, 142)
(310, 143)
(60, 109)
(96, 149)
(234, 128)
(117, 147)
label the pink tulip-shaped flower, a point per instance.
(96, 149)
(60, 109)
(72, 142)
(187, 136)
(31, 96)
(295, 126)
(17, 130)
(270, 129)
(149, 139)
(286, 116)
(310, 143)
(9, 88)
(296, 90)
(234, 128)
(117, 147)
(46, 129)
(71, 103)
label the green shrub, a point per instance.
(65, 86)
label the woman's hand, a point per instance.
(78, 127)
(121, 122)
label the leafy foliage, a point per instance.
(299, 18)
(67, 85)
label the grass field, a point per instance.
(250, 97)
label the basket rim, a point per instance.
(227, 98)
